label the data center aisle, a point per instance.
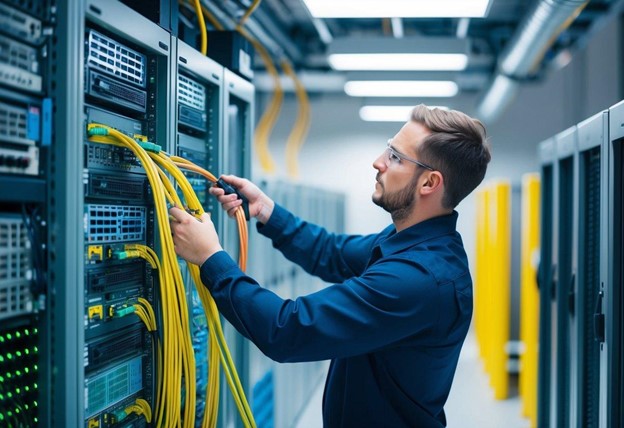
(471, 403)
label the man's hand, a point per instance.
(195, 240)
(260, 205)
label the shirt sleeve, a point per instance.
(355, 317)
(331, 257)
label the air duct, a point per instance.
(525, 51)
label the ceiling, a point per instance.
(288, 30)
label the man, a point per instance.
(395, 319)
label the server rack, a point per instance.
(586, 372)
(25, 129)
(199, 124)
(613, 387)
(564, 339)
(545, 280)
(238, 113)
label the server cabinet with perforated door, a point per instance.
(545, 279)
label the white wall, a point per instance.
(340, 148)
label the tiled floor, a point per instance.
(470, 404)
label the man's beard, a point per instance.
(400, 203)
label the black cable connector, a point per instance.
(231, 189)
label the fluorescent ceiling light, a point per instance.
(398, 61)
(401, 88)
(397, 8)
(389, 113)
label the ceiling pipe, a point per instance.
(525, 51)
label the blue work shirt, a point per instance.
(393, 323)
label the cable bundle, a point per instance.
(175, 352)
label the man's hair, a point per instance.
(457, 147)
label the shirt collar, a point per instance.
(420, 232)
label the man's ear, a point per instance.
(434, 181)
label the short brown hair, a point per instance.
(457, 147)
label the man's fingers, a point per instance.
(205, 217)
(178, 214)
(233, 180)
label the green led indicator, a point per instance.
(26, 388)
(35, 349)
(9, 336)
(36, 420)
(36, 330)
(18, 390)
(18, 354)
(26, 351)
(17, 410)
(27, 332)
(35, 386)
(18, 372)
(1, 359)
(1, 339)
(36, 367)
(26, 370)
(9, 356)
(18, 334)
(35, 403)
(1, 417)
(10, 395)
(9, 375)
(1, 397)
(1, 379)
(10, 413)
(26, 406)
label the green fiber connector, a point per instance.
(122, 312)
(119, 415)
(120, 255)
(150, 147)
(97, 131)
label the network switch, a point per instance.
(15, 267)
(19, 24)
(19, 65)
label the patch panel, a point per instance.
(19, 159)
(109, 312)
(19, 24)
(19, 65)
(111, 277)
(15, 267)
(194, 150)
(116, 346)
(109, 387)
(114, 223)
(119, 187)
(19, 373)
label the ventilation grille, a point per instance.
(114, 58)
(15, 268)
(191, 93)
(114, 223)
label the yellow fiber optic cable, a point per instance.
(297, 135)
(251, 10)
(202, 27)
(182, 357)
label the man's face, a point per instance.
(397, 179)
